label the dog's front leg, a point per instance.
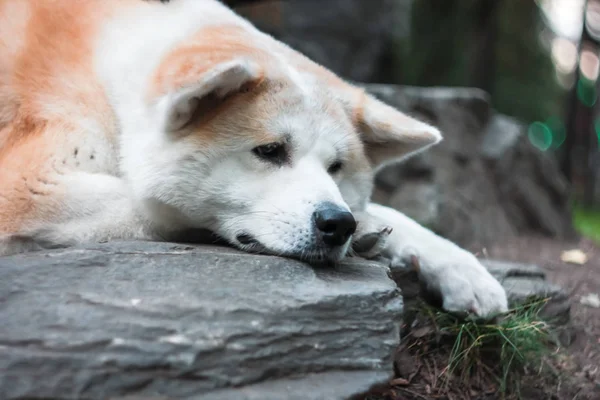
(79, 207)
(446, 269)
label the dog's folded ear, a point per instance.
(200, 94)
(389, 135)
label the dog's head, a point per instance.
(265, 148)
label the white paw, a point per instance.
(463, 284)
(452, 273)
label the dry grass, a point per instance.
(445, 356)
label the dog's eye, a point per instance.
(272, 152)
(335, 167)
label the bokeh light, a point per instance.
(540, 135)
(564, 55)
(549, 135)
(589, 65)
(586, 92)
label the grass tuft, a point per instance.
(488, 355)
(517, 340)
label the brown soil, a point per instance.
(573, 372)
(578, 281)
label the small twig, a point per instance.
(415, 373)
(429, 372)
(435, 369)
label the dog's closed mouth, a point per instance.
(250, 244)
(246, 239)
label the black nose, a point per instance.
(335, 224)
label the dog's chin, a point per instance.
(326, 256)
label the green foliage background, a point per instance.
(443, 49)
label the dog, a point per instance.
(139, 119)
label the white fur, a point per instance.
(178, 185)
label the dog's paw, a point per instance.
(370, 238)
(464, 285)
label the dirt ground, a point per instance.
(572, 373)
(578, 280)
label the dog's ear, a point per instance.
(200, 94)
(389, 135)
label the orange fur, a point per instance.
(46, 77)
(53, 65)
(210, 46)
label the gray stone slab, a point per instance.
(177, 321)
(523, 281)
(501, 135)
(491, 182)
(324, 386)
(505, 269)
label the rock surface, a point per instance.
(175, 321)
(484, 182)
(165, 320)
(522, 281)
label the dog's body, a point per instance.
(132, 119)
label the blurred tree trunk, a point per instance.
(491, 44)
(483, 68)
(571, 131)
(438, 29)
(579, 158)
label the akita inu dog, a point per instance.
(137, 119)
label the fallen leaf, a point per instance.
(590, 300)
(399, 382)
(574, 256)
